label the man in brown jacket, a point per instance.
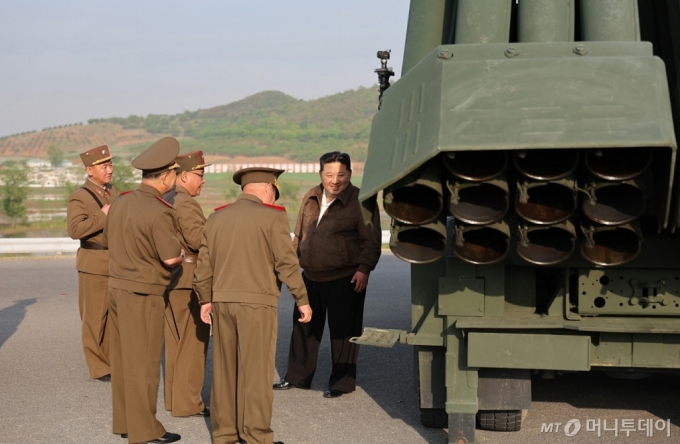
(140, 233)
(245, 254)
(186, 336)
(337, 251)
(85, 214)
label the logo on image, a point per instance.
(627, 426)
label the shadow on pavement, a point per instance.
(11, 317)
(385, 374)
(656, 394)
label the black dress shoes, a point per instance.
(285, 385)
(240, 441)
(282, 385)
(332, 393)
(168, 437)
(203, 413)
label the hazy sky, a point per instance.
(65, 61)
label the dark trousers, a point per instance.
(345, 309)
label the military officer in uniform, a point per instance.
(140, 233)
(186, 336)
(86, 213)
(245, 254)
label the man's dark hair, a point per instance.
(153, 175)
(335, 156)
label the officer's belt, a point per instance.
(191, 258)
(91, 245)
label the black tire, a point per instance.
(435, 418)
(618, 374)
(500, 420)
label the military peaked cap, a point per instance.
(95, 156)
(191, 162)
(158, 157)
(244, 176)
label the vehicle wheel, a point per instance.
(435, 418)
(500, 420)
(617, 374)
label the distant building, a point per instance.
(45, 164)
(38, 163)
(289, 167)
(39, 178)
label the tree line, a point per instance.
(14, 184)
(269, 123)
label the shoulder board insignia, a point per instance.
(167, 204)
(125, 192)
(222, 207)
(276, 207)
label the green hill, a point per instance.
(269, 123)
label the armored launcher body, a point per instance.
(527, 158)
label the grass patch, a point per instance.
(45, 228)
(219, 189)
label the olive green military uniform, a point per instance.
(245, 254)
(85, 221)
(140, 233)
(186, 336)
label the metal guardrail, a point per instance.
(61, 245)
(58, 245)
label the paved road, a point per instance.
(48, 398)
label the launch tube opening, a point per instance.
(417, 245)
(618, 163)
(476, 166)
(416, 204)
(611, 245)
(546, 245)
(480, 245)
(478, 204)
(546, 164)
(548, 203)
(417, 198)
(615, 204)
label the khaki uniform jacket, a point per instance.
(191, 223)
(141, 233)
(342, 243)
(86, 222)
(245, 254)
